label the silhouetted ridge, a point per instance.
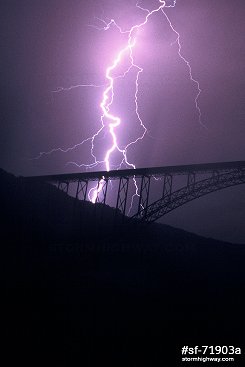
(41, 213)
(78, 288)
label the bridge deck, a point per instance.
(139, 172)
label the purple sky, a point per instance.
(48, 44)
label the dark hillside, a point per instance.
(80, 292)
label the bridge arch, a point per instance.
(190, 192)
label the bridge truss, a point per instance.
(160, 189)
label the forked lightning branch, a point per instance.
(109, 121)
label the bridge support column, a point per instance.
(102, 189)
(167, 186)
(122, 195)
(100, 199)
(82, 188)
(191, 180)
(63, 186)
(215, 176)
(144, 195)
(81, 194)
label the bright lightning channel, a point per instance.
(108, 97)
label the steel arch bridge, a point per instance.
(160, 189)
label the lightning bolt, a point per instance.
(187, 63)
(109, 121)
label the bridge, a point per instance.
(159, 190)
